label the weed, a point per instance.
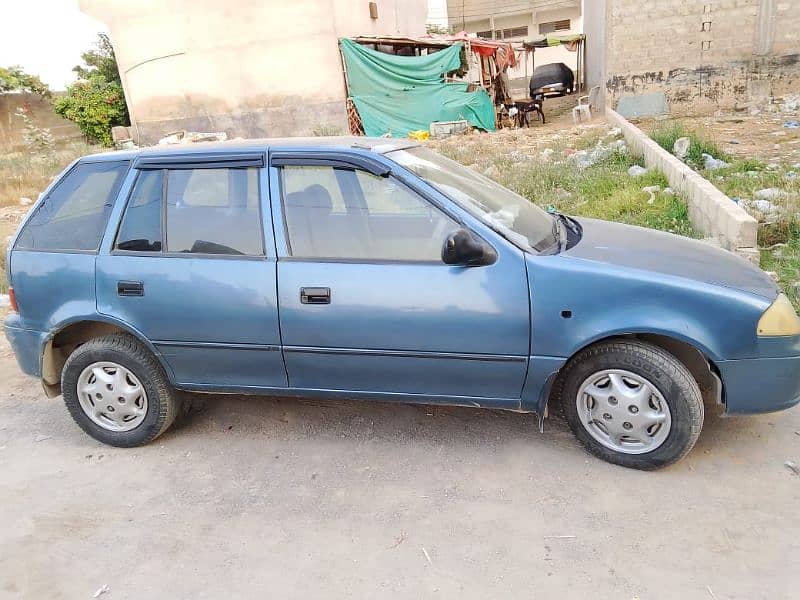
(665, 136)
(785, 261)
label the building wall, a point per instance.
(249, 68)
(40, 111)
(703, 54)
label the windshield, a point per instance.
(511, 215)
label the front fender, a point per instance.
(578, 302)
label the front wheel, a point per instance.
(117, 392)
(632, 404)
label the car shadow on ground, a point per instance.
(431, 425)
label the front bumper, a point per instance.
(27, 346)
(760, 385)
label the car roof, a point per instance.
(377, 145)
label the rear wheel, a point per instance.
(632, 404)
(117, 392)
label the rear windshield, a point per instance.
(74, 214)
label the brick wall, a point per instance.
(703, 54)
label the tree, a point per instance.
(14, 79)
(96, 102)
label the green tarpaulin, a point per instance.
(399, 94)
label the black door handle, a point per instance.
(130, 288)
(315, 295)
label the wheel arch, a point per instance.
(70, 334)
(691, 354)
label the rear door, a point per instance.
(367, 305)
(189, 269)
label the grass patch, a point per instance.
(785, 261)
(601, 191)
(666, 134)
(26, 175)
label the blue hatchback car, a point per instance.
(377, 269)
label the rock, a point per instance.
(681, 147)
(669, 191)
(711, 163)
(637, 171)
(771, 194)
(791, 175)
(547, 153)
(614, 132)
(772, 274)
(652, 190)
(764, 206)
(25, 201)
(773, 166)
(5, 300)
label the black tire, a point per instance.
(163, 403)
(672, 379)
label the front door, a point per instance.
(366, 303)
(188, 269)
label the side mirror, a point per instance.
(462, 247)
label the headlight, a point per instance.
(779, 319)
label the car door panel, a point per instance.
(405, 327)
(214, 318)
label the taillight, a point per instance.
(12, 298)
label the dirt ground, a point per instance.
(278, 498)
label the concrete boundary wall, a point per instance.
(711, 212)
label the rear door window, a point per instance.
(207, 211)
(214, 211)
(74, 214)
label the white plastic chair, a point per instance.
(585, 104)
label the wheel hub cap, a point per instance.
(623, 411)
(112, 396)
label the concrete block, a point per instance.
(711, 212)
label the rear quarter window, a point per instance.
(74, 214)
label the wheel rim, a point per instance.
(112, 396)
(623, 411)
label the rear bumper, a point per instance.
(27, 347)
(760, 385)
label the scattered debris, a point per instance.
(652, 190)
(428, 556)
(771, 194)
(668, 191)
(102, 590)
(765, 207)
(398, 540)
(637, 171)
(792, 124)
(445, 128)
(792, 467)
(547, 153)
(420, 135)
(186, 137)
(614, 132)
(681, 147)
(4, 300)
(711, 163)
(772, 275)
(25, 201)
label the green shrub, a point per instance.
(95, 105)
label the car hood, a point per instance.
(660, 252)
